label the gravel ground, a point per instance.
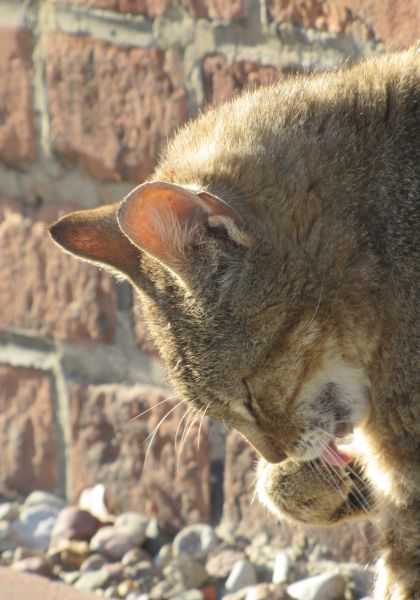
(82, 551)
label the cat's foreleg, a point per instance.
(398, 571)
(313, 492)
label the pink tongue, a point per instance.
(335, 457)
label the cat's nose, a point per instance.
(269, 450)
(263, 442)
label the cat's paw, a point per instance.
(308, 492)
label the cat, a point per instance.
(275, 251)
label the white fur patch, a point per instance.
(352, 383)
(353, 388)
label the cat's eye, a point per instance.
(249, 402)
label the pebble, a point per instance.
(22, 552)
(155, 538)
(242, 575)
(44, 498)
(92, 580)
(221, 564)
(127, 586)
(194, 540)
(328, 586)
(93, 563)
(238, 595)
(188, 595)
(111, 592)
(33, 564)
(186, 572)
(160, 590)
(266, 591)
(115, 571)
(70, 577)
(134, 524)
(93, 501)
(140, 570)
(35, 524)
(134, 556)
(5, 532)
(209, 592)
(113, 542)
(164, 556)
(9, 511)
(74, 524)
(71, 554)
(360, 578)
(7, 556)
(281, 568)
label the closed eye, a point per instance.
(249, 403)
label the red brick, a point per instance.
(27, 431)
(112, 108)
(17, 125)
(108, 445)
(395, 22)
(46, 291)
(219, 10)
(148, 8)
(223, 78)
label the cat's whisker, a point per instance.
(194, 420)
(358, 495)
(330, 476)
(203, 414)
(252, 486)
(191, 413)
(187, 412)
(325, 479)
(201, 424)
(152, 435)
(305, 327)
(334, 453)
(321, 474)
(150, 409)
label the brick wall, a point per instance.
(89, 93)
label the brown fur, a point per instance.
(286, 307)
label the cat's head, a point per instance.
(238, 316)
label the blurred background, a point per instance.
(90, 92)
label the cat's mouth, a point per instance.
(337, 454)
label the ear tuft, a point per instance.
(236, 234)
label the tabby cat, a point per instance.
(276, 254)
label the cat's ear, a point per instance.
(95, 236)
(165, 220)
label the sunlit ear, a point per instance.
(166, 219)
(95, 236)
